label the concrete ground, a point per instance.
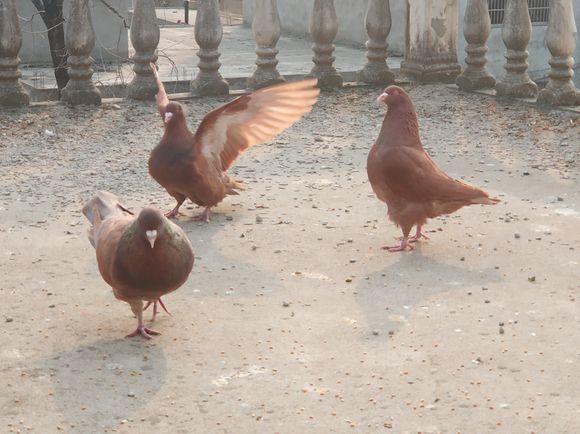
(293, 319)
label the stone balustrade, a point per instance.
(561, 36)
(516, 34)
(430, 55)
(266, 29)
(476, 29)
(80, 41)
(145, 36)
(11, 91)
(378, 26)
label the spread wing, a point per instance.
(412, 175)
(253, 119)
(161, 96)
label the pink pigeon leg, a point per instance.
(137, 308)
(163, 306)
(418, 235)
(174, 212)
(204, 216)
(154, 303)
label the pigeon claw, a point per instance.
(400, 248)
(143, 331)
(163, 306)
(155, 310)
(202, 217)
(415, 238)
(171, 214)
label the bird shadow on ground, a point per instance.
(217, 247)
(389, 296)
(98, 385)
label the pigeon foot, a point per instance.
(416, 238)
(154, 303)
(143, 331)
(418, 235)
(172, 214)
(204, 216)
(401, 247)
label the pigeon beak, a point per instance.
(151, 237)
(168, 116)
(383, 97)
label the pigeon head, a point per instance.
(151, 222)
(173, 112)
(394, 96)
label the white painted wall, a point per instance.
(111, 40)
(295, 18)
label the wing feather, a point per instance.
(414, 176)
(253, 119)
(161, 96)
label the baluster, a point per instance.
(145, 38)
(378, 25)
(12, 93)
(323, 28)
(476, 29)
(266, 29)
(80, 41)
(561, 40)
(516, 33)
(430, 43)
(208, 35)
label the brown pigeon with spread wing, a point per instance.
(193, 166)
(403, 175)
(142, 257)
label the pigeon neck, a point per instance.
(135, 235)
(400, 127)
(178, 135)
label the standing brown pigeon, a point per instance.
(193, 166)
(403, 175)
(142, 257)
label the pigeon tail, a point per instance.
(100, 207)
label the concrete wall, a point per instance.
(295, 18)
(111, 41)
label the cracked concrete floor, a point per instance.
(293, 319)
